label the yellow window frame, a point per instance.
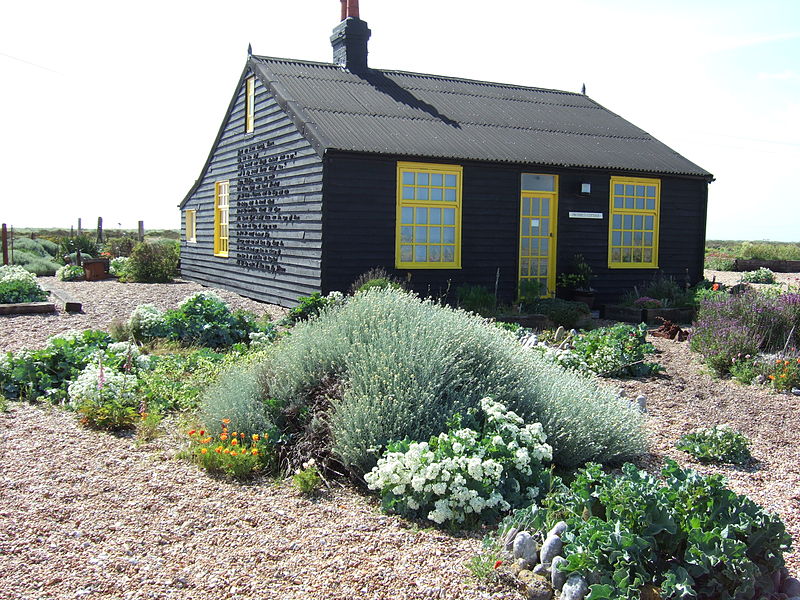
(429, 169)
(222, 195)
(635, 214)
(191, 225)
(249, 104)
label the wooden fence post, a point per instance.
(141, 231)
(100, 230)
(5, 244)
(79, 227)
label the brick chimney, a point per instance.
(350, 39)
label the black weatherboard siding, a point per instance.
(313, 190)
(275, 207)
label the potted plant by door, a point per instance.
(575, 283)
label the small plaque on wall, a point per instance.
(585, 215)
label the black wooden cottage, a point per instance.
(321, 171)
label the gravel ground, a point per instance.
(105, 301)
(91, 515)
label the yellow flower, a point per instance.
(255, 437)
(223, 437)
(254, 452)
(226, 421)
(203, 450)
(234, 442)
(233, 453)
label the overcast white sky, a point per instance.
(109, 109)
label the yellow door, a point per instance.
(537, 238)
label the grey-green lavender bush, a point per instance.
(409, 365)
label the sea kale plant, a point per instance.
(687, 535)
(467, 474)
(718, 444)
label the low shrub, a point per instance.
(477, 299)
(70, 245)
(236, 395)
(30, 246)
(50, 247)
(375, 277)
(407, 366)
(120, 247)
(232, 453)
(746, 323)
(745, 369)
(146, 322)
(308, 479)
(717, 444)
(719, 263)
(153, 262)
(769, 251)
(565, 313)
(760, 275)
(41, 267)
(19, 285)
(307, 307)
(465, 475)
(70, 273)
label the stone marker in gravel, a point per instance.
(558, 529)
(557, 578)
(576, 588)
(550, 549)
(508, 539)
(525, 548)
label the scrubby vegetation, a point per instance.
(19, 285)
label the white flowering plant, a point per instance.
(466, 475)
(104, 397)
(717, 444)
(147, 321)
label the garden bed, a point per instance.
(27, 308)
(116, 522)
(776, 266)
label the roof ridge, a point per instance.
(423, 75)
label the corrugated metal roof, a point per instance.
(411, 114)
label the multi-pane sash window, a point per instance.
(191, 226)
(221, 208)
(633, 231)
(428, 216)
(249, 105)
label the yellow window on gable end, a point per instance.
(635, 206)
(428, 222)
(249, 104)
(191, 226)
(221, 211)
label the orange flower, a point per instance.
(255, 437)
(233, 453)
(241, 435)
(203, 450)
(715, 287)
(234, 434)
(226, 451)
(191, 432)
(226, 421)
(223, 436)
(202, 432)
(234, 442)
(218, 449)
(144, 415)
(771, 376)
(254, 452)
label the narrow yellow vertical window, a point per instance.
(428, 222)
(249, 104)
(633, 231)
(191, 226)
(221, 206)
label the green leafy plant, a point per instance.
(118, 266)
(18, 285)
(204, 319)
(578, 276)
(565, 313)
(307, 479)
(686, 534)
(375, 277)
(70, 273)
(71, 245)
(760, 275)
(719, 443)
(176, 381)
(307, 307)
(147, 426)
(617, 351)
(745, 369)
